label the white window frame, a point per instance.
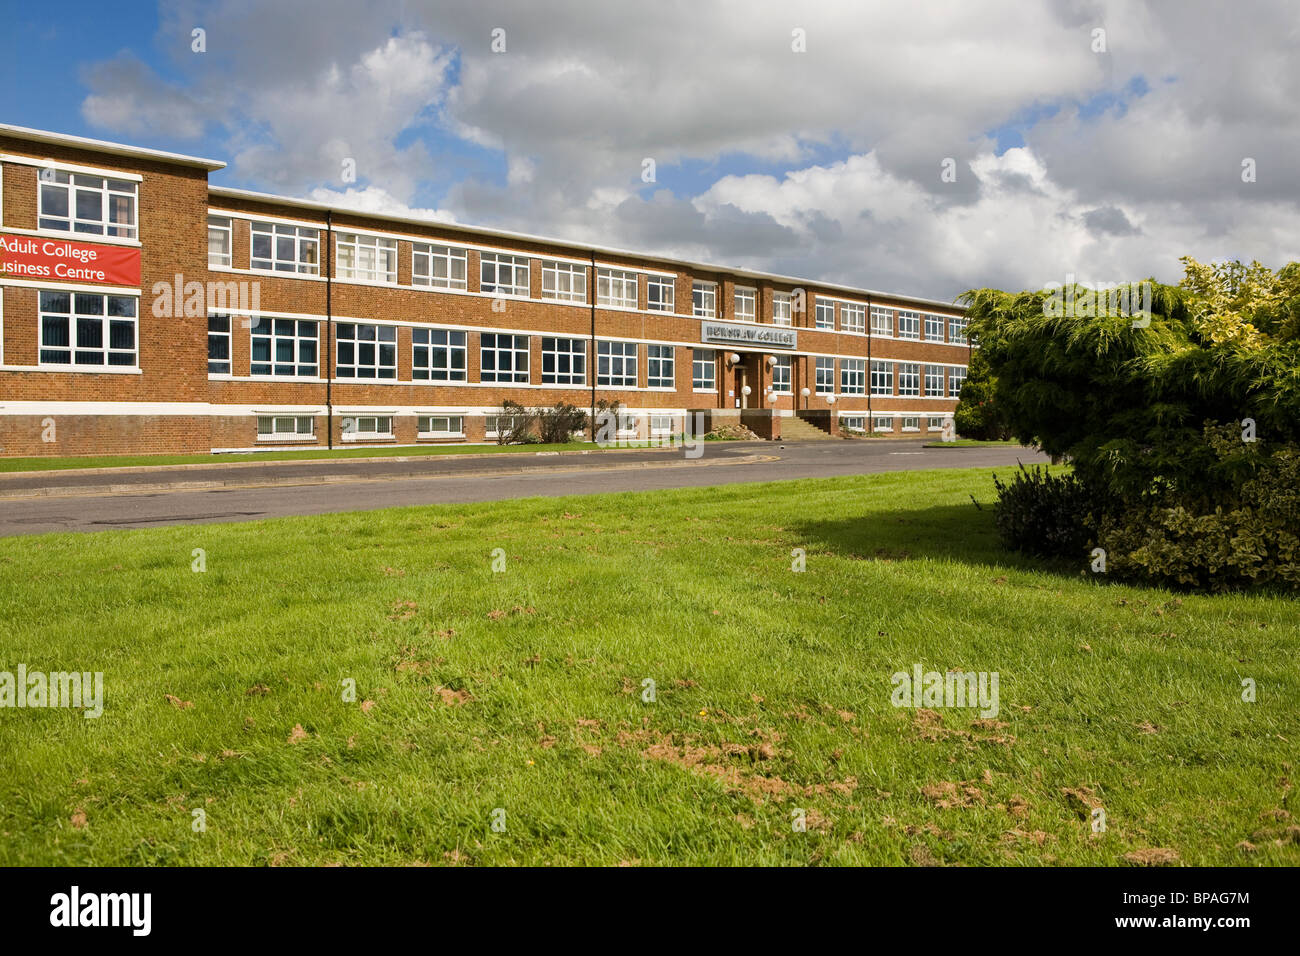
(449, 344)
(616, 289)
(621, 355)
(304, 238)
(74, 184)
(568, 357)
(704, 299)
(909, 379)
(934, 423)
(661, 359)
(564, 281)
(782, 376)
(957, 325)
(219, 335)
(356, 336)
(704, 370)
(424, 426)
(516, 269)
(745, 304)
(915, 425)
(853, 376)
(782, 308)
(824, 314)
(934, 381)
(661, 424)
(367, 428)
(661, 291)
(909, 325)
(848, 421)
(882, 322)
(77, 319)
(882, 423)
(222, 229)
(426, 258)
(273, 330)
(933, 327)
(360, 257)
(295, 434)
(824, 375)
(853, 317)
(882, 378)
(956, 379)
(499, 344)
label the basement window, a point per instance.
(286, 428)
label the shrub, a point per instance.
(978, 414)
(521, 427)
(1045, 514)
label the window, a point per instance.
(616, 288)
(909, 378)
(278, 248)
(87, 204)
(825, 376)
(218, 345)
(661, 424)
(627, 424)
(882, 378)
(782, 313)
(853, 376)
(440, 426)
(365, 351)
(564, 281)
(957, 329)
(909, 325)
(882, 322)
(853, 423)
(661, 367)
(616, 364)
(219, 232)
(437, 355)
(746, 304)
(704, 299)
(911, 424)
(934, 328)
(440, 267)
(956, 378)
(503, 275)
(883, 423)
(290, 427)
(660, 292)
(284, 347)
(781, 375)
(704, 370)
(503, 358)
(934, 423)
(853, 317)
(496, 424)
(361, 427)
(366, 258)
(93, 330)
(564, 361)
(934, 380)
(825, 317)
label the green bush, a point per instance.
(1044, 514)
(978, 414)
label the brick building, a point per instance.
(143, 310)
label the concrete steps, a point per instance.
(796, 429)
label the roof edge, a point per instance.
(103, 146)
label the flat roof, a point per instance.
(102, 146)
(248, 194)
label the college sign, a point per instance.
(29, 257)
(728, 333)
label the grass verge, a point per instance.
(520, 696)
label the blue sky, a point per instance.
(823, 162)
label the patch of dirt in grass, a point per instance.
(177, 702)
(257, 690)
(930, 727)
(403, 611)
(947, 795)
(297, 734)
(1081, 800)
(1152, 856)
(452, 698)
(78, 819)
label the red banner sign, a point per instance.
(30, 257)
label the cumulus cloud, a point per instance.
(825, 163)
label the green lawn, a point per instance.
(521, 691)
(297, 454)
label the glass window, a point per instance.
(661, 372)
(746, 304)
(825, 376)
(934, 380)
(440, 426)
(503, 275)
(85, 329)
(93, 205)
(616, 364)
(437, 355)
(957, 329)
(909, 378)
(704, 370)
(284, 347)
(882, 378)
(825, 317)
(934, 328)
(280, 248)
(853, 376)
(660, 291)
(781, 309)
(365, 351)
(853, 317)
(564, 281)
(882, 322)
(616, 288)
(704, 299)
(909, 325)
(439, 267)
(503, 358)
(956, 378)
(219, 232)
(781, 375)
(218, 345)
(366, 258)
(564, 361)
(285, 426)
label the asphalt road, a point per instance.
(99, 501)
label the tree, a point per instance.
(978, 415)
